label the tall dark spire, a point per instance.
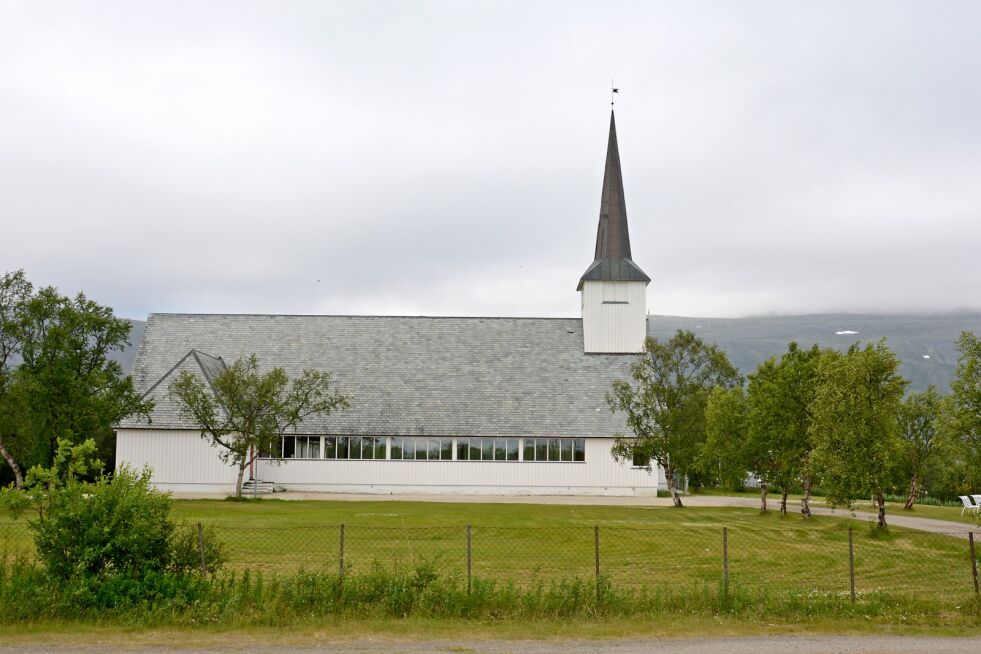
(612, 259)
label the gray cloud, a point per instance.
(446, 158)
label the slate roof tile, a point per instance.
(406, 375)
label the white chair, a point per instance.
(977, 502)
(968, 503)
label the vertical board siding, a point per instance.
(174, 456)
(181, 460)
(614, 328)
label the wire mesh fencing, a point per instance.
(856, 563)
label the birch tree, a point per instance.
(964, 416)
(855, 427)
(665, 402)
(725, 455)
(780, 397)
(244, 411)
(14, 291)
(921, 437)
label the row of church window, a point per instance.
(434, 449)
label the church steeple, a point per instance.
(614, 288)
(612, 260)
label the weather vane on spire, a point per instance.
(613, 89)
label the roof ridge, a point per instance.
(355, 315)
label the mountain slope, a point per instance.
(923, 343)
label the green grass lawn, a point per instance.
(922, 511)
(950, 513)
(526, 544)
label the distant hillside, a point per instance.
(127, 356)
(924, 343)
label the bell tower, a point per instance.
(613, 289)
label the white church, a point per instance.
(438, 405)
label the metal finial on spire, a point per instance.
(613, 89)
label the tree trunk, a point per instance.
(763, 496)
(880, 501)
(241, 476)
(18, 475)
(805, 502)
(911, 499)
(669, 477)
(783, 501)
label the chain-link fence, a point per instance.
(938, 567)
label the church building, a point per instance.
(438, 405)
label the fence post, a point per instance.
(341, 560)
(974, 563)
(468, 561)
(725, 560)
(596, 552)
(204, 560)
(851, 563)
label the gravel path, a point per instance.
(825, 644)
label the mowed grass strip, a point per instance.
(526, 544)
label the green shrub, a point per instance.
(114, 526)
(185, 550)
(120, 525)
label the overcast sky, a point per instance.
(446, 158)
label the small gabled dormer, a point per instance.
(613, 288)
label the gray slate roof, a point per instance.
(403, 375)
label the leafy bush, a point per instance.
(114, 526)
(185, 552)
(118, 525)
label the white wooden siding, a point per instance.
(179, 459)
(183, 462)
(614, 317)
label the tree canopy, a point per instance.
(780, 397)
(725, 457)
(665, 404)
(965, 405)
(57, 379)
(245, 411)
(854, 427)
(922, 437)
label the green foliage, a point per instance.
(854, 427)
(665, 407)
(964, 416)
(117, 525)
(780, 397)
(185, 552)
(921, 437)
(65, 385)
(245, 411)
(249, 600)
(725, 456)
(120, 526)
